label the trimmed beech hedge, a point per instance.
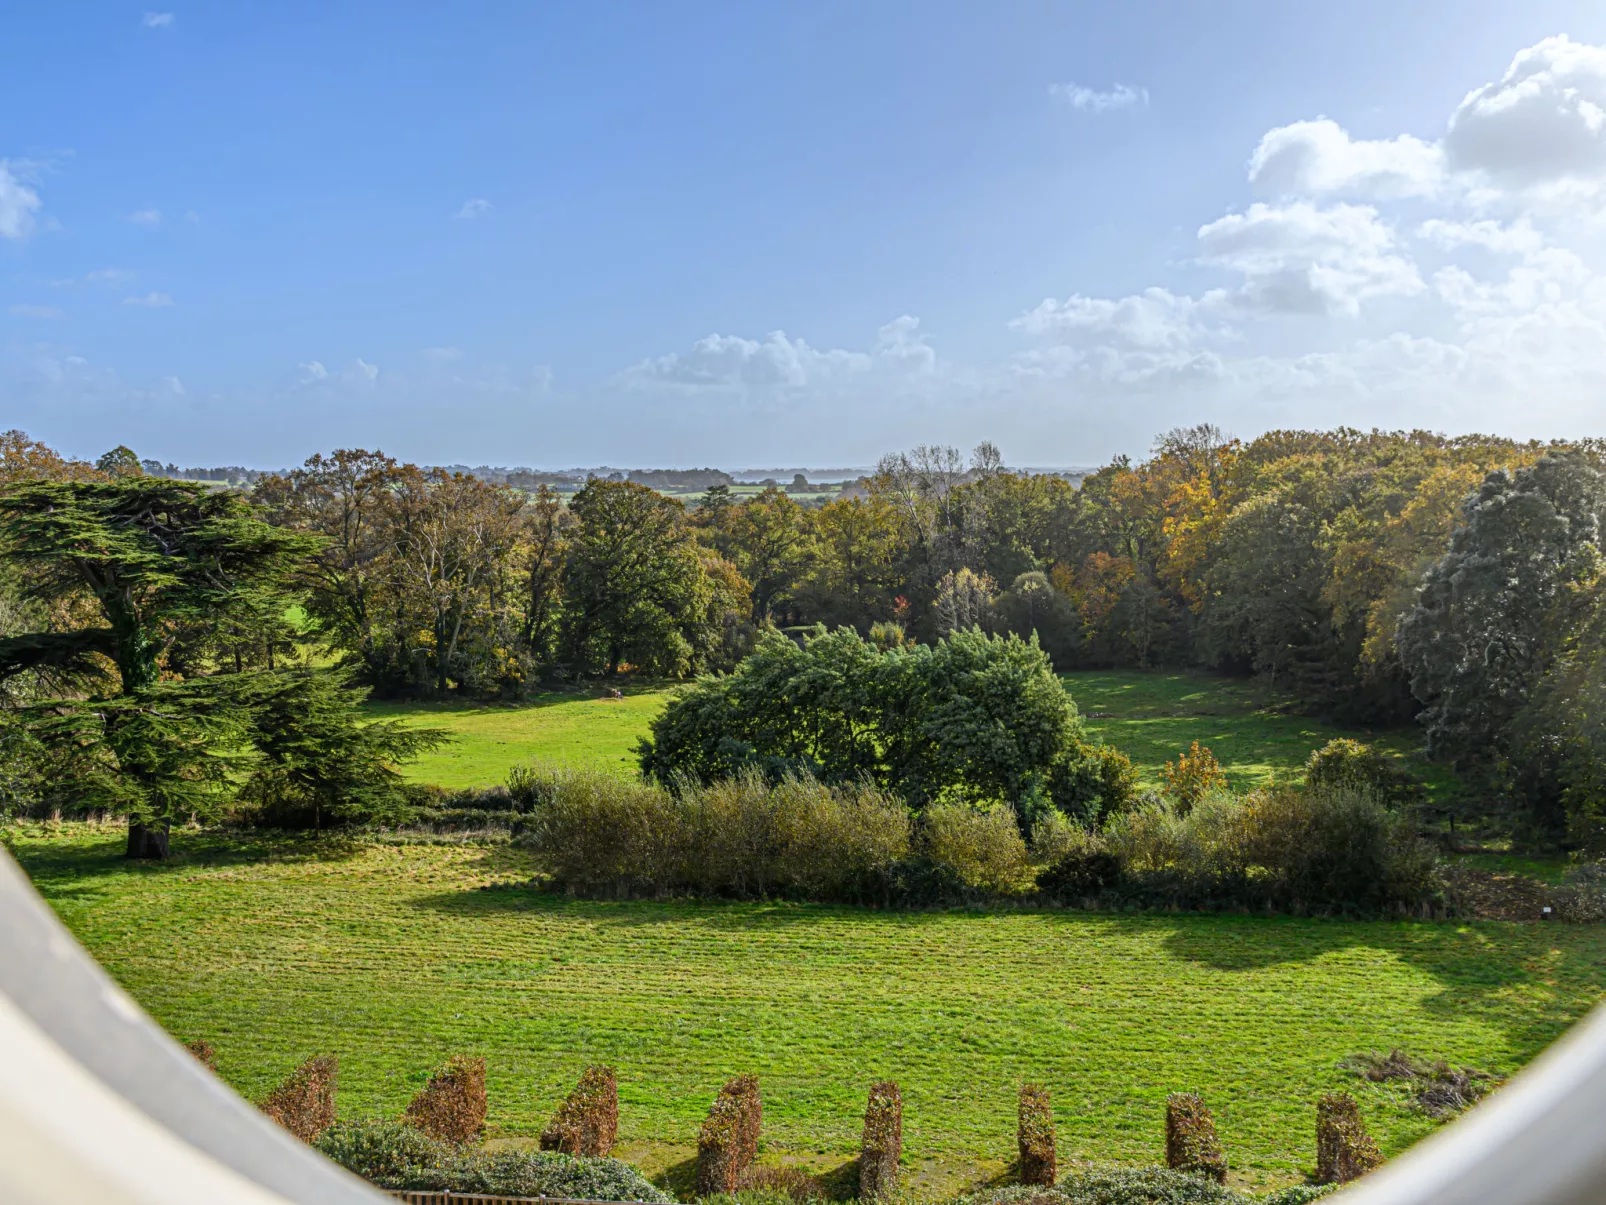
(882, 1145)
(1344, 1150)
(1191, 1144)
(728, 1141)
(305, 1103)
(451, 1106)
(587, 1122)
(1035, 1135)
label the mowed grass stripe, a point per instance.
(394, 957)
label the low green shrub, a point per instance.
(532, 1174)
(1582, 895)
(1075, 863)
(1140, 1186)
(602, 834)
(1191, 1144)
(981, 847)
(1352, 765)
(779, 1186)
(381, 1151)
(882, 1145)
(728, 1141)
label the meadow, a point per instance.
(395, 955)
(1151, 717)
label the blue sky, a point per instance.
(560, 234)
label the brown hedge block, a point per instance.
(587, 1122)
(728, 1141)
(1344, 1150)
(305, 1103)
(882, 1146)
(203, 1053)
(1035, 1134)
(1191, 1144)
(451, 1106)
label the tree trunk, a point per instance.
(147, 841)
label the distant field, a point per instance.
(1151, 717)
(394, 956)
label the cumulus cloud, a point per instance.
(363, 371)
(33, 311)
(1543, 121)
(475, 207)
(1319, 157)
(730, 362)
(156, 20)
(153, 301)
(1091, 100)
(312, 370)
(18, 203)
(146, 217)
(1156, 318)
(1299, 258)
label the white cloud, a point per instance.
(18, 203)
(33, 311)
(146, 217)
(1543, 121)
(361, 370)
(442, 355)
(730, 362)
(108, 276)
(901, 342)
(475, 207)
(312, 370)
(1301, 259)
(1316, 157)
(172, 386)
(154, 301)
(1090, 100)
(156, 20)
(1156, 318)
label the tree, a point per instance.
(1474, 644)
(964, 601)
(147, 555)
(120, 462)
(767, 538)
(635, 587)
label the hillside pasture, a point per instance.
(394, 956)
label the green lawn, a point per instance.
(394, 956)
(1151, 717)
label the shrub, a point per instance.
(1075, 862)
(780, 1183)
(1193, 776)
(1096, 782)
(981, 848)
(1139, 1186)
(587, 1122)
(305, 1103)
(1351, 764)
(451, 1106)
(203, 1052)
(380, 1151)
(531, 1174)
(1035, 1136)
(1344, 1150)
(600, 834)
(882, 1145)
(1582, 896)
(728, 1141)
(1191, 1144)
(839, 843)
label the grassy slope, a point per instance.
(1151, 717)
(395, 956)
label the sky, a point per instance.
(660, 234)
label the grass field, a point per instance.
(394, 956)
(1151, 717)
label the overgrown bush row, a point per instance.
(882, 1145)
(1035, 1136)
(728, 1141)
(1334, 847)
(587, 1122)
(1140, 1186)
